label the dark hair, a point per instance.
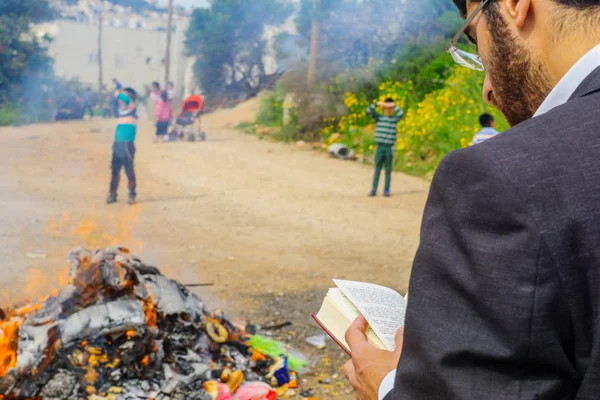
(486, 120)
(164, 96)
(462, 7)
(156, 84)
(131, 93)
(171, 83)
(578, 4)
(389, 100)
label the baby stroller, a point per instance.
(188, 121)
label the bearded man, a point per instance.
(505, 288)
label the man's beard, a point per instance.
(520, 82)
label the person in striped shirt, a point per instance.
(385, 139)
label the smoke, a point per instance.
(352, 32)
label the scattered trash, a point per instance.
(318, 341)
(255, 391)
(251, 329)
(275, 327)
(307, 393)
(194, 285)
(216, 331)
(340, 151)
(279, 373)
(36, 256)
(275, 349)
(325, 380)
(293, 381)
(122, 330)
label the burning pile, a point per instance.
(121, 330)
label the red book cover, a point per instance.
(347, 350)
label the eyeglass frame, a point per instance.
(462, 30)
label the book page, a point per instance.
(383, 308)
(343, 303)
(351, 312)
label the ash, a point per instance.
(122, 330)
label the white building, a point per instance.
(133, 55)
(133, 45)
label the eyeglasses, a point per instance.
(461, 57)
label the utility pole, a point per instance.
(100, 23)
(168, 53)
(314, 44)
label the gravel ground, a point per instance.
(269, 224)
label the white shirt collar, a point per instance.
(571, 81)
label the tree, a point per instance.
(430, 19)
(228, 42)
(22, 56)
(354, 31)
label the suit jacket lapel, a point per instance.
(591, 84)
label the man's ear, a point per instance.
(518, 11)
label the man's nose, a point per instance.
(488, 90)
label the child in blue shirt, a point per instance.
(123, 147)
(488, 129)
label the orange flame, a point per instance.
(91, 232)
(94, 231)
(150, 312)
(8, 345)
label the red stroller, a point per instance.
(188, 121)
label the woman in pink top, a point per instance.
(164, 115)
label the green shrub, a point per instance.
(360, 139)
(271, 108)
(442, 103)
(8, 116)
(443, 121)
(247, 127)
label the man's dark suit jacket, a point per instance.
(505, 290)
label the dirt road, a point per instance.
(269, 224)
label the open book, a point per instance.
(383, 308)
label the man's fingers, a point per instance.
(350, 373)
(348, 369)
(355, 335)
(399, 339)
(399, 335)
(361, 323)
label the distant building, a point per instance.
(134, 45)
(131, 54)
